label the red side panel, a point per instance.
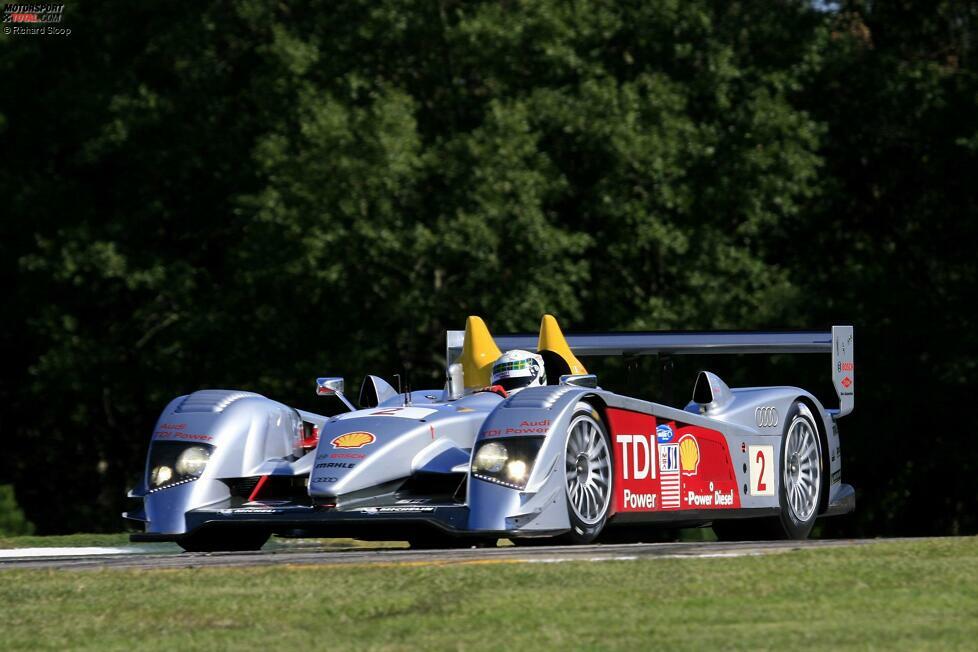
(636, 484)
(669, 465)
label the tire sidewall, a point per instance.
(793, 528)
(581, 532)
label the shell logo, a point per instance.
(353, 440)
(689, 454)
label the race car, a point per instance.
(523, 445)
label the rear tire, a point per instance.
(224, 540)
(800, 490)
(799, 485)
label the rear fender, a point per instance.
(763, 410)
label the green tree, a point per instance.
(12, 520)
(250, 194)
(897, 90)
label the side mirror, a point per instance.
(455, 383)
(374, 391)
(580, 380)
(329, 385)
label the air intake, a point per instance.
(710, 392)
(537, 397)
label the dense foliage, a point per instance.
(250, 194)
(12, 521)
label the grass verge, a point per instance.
(900, 595)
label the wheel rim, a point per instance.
(802, 469)
(588, 470)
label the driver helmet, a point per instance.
(517, 369)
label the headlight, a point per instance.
(172, 463)
(509, 463)
(491, 458)
(517, 471)
(192, 461)
(161, 475)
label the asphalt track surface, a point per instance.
(321, 556)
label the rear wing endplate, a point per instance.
(843, 368)
(838, 342)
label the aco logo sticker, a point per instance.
(353, 440)
(663, 433)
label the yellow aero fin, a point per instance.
(479, 351)
(551, 339)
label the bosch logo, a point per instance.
(766, 417)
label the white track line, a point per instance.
(561, 560)
(24, 553)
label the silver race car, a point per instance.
(523, 445)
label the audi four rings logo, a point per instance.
(766, 417)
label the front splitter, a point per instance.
(378, 522)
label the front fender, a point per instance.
(249, 434)
(541, 507)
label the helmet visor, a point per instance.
(514, 382)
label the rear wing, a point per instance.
(838, 342)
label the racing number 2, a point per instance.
(761, 485)
(761, 473)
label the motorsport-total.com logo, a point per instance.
(34, 18)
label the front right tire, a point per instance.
(588, 471)
(224, 540)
